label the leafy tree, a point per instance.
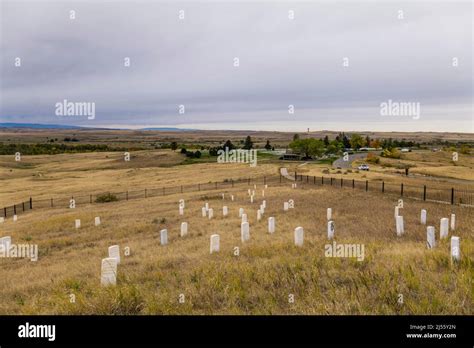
(296, 137)
(375, 143)
(357, 141)
(174, 145)
(309, 147)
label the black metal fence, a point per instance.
(450, 196)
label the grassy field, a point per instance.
(269, 269)
(148, 139)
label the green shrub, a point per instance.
(105, 198)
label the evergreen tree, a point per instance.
(248, 144)
(267, 145)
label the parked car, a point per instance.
(363, 167)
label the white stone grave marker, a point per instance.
(455, 251)
(331, 229)
(211, 213)
(430, 237)
(423, 216)
(184, 229)
(453, 222)
(108, 272)
(97, 221)
(245, 231)
(114, 252)
(443, 228)
(78, 223)
(164, 237)
(225, 210)
(203, 211)
(244, 218)
(241, 212)
(285, 206)
(271, 225)
(299, 235)
(214, 243)
(399, 225)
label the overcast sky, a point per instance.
(282, 62)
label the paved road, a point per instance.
(348, 164)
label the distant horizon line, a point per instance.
(158, 128)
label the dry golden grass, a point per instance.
(43, 177)
(258, 281)
(269, 267)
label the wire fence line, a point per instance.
(449, 196)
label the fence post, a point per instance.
(424, 192)
(31, 203)
(14, 209)
(401, 190)
(383, 186)
(322, 180)
(5, 212)
(296, 176)
(366, 185)
(342, 182)
(314, 179)
(23, 205)
(353, 183)
(452, 195)
(307, 178)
